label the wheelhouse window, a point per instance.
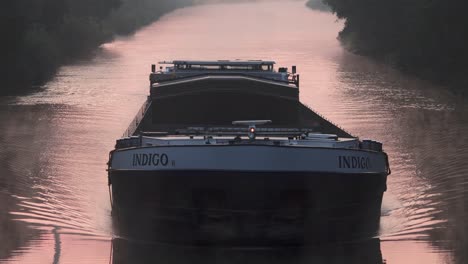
(225, 67)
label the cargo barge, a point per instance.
(223, 152)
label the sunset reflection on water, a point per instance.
(56, 141)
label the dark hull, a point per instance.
(358, 252)
(244, 208)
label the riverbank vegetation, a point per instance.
(424, 37)
(39, 36)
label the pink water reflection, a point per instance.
(88, 105)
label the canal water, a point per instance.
(54, 202)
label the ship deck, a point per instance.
(215, 100)
(307, 119)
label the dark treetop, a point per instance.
(426, 37)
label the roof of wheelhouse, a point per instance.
(219, 62)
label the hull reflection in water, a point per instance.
(363, 252)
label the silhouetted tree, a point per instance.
(41, 35)
(426, 37)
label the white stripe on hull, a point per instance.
(249, 158)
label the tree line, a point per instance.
(425, 37)
(38, 36)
